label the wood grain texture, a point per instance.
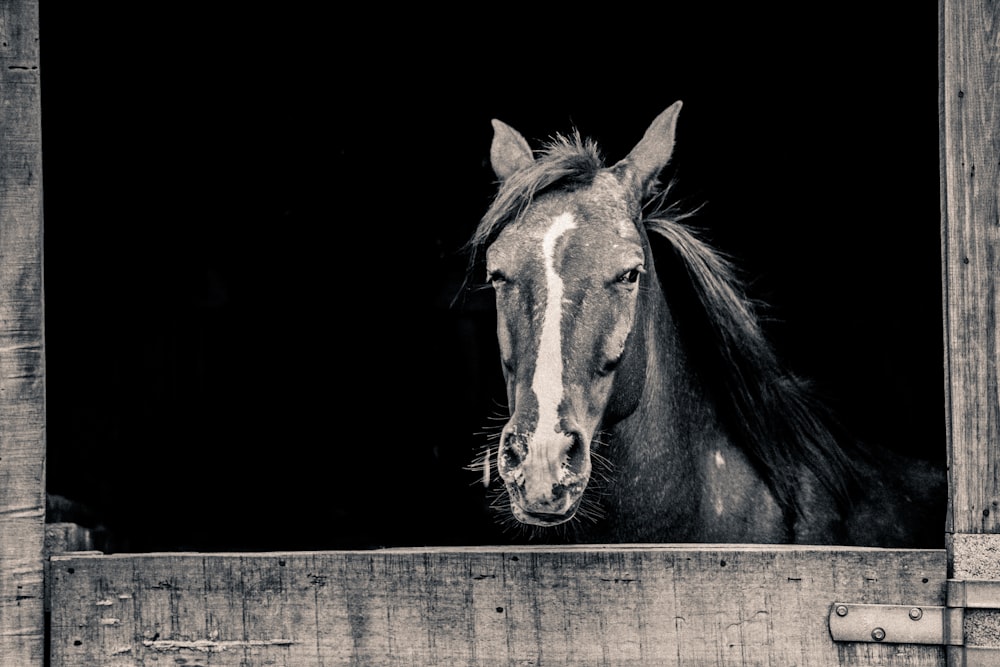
(22, 379)
(970, 218)
(665, 605)
(970, 163)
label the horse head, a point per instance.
(569, 265)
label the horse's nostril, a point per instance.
(510, 458)
(512, 452)
(576, 454)
(609, 366)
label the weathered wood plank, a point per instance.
(62, 538)
(970, 218)
(970, 164)
(22, 407)
(648, 605)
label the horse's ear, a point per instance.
(509, 152)
(653, 151)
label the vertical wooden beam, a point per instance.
(970, 210)
(970, 163)
(22, 374)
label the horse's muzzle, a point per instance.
(545, 479)
(543, 518)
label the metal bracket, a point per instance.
(895, 624)
(973, 593)
(909, 624)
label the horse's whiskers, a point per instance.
(590, 510)
(501, 502)
(484, 465)
(486, 469)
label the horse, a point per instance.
(644, 401)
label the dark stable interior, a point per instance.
(254, 225)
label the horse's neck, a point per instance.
(679, 477)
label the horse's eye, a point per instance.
(631, 276)
(496, 278)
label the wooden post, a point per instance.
(22, 374)
(970, 209)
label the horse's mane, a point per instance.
(769, 412)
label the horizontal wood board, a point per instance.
(642, 605)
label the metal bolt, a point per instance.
(916, 613)
(841, 610)
(878, 634)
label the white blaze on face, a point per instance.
(547, 382)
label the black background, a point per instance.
(253, 224)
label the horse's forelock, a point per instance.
(565, 161)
